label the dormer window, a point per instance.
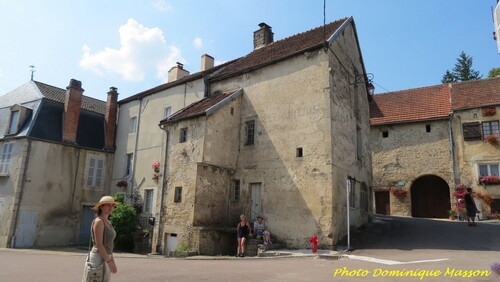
(18, 116)
(14, 122)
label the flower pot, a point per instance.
(156, 169)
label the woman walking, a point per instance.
(243, 230)
(103, 235)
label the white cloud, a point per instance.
(162, 5)
(142, 50)
(198, 43)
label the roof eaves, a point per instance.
(223, 102)
(258, 66)
(411, 121)
(338, 32)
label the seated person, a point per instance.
(261, 232)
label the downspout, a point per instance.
(17, 202)
(452, 151)
(164, 187)
(135, 146)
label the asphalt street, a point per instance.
(386, 250)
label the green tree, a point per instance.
(124, 222)
(462, 71)
(494, 72)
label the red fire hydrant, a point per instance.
(314, 242)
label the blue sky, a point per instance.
(132, 44)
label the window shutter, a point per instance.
(472, 131)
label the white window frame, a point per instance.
(129, 164)
(5, 157)
(149, 202)
(95, 174)
(14, 121)
(133, 125)
(167, 111)
(488, 168)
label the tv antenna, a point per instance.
(32, 71)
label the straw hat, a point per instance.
(105, 200)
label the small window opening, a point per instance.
(385, 133)
(178, 195)
(232, 111)
(428, 127)
(299, 152)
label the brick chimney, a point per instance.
(263, 36)
(207, 62)
(177, 72)
(72, 106)
(110, 119)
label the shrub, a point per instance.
(124, 222)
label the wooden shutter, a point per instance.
(472, 131)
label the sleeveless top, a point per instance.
(108, 239)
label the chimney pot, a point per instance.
(110, 118)
(207, 62)
(177, 72)
(72, 106)
(263, 36)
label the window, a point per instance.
(488, 170)
(167, 110)
(385, 134)
(299, 152)
(236, 190)
(472, 131)
(94, 174)
(133, 125)
(5, 157)
(148, 201)
(428, 128)
(178, 195)
(14, 120)
(490, 128)
(250, 132)
(129, 162)
(183, 135)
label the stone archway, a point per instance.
(430, 197)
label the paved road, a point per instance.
(389, 243)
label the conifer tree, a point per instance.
(462, 71)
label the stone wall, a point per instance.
(407, 153)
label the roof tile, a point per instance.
(411, 105)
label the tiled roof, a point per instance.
(476, 93)
(432, 102)
(281, 49)
(197, 108)
(58, 94)
(179, 81)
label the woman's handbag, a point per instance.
(94, 274)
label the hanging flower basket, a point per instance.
(122, 183)
(156, 177)
(489, 180)
(491, 139)
(398, 193)
(156, 167)
(489, 111)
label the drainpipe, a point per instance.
(135, 146)
(452, 151)
(163, 187)
(17, 202)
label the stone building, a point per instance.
(141, 142)
(280, 133)
(56, 159)
(426, 141)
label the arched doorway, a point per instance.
(430, 197)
